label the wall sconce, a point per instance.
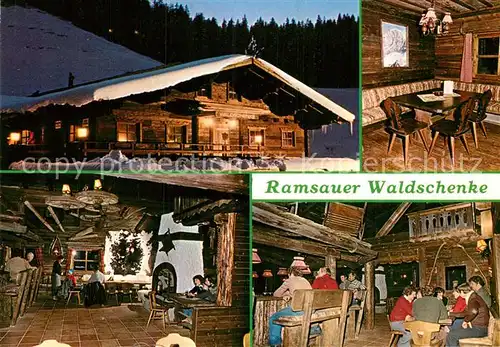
(14, 138)
(97, 184)
(282, 272)
(255, 274)
(82, 133)
(66, 190)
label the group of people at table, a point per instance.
(296, 281)
(470, 313)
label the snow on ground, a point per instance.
(40, 50)
(115, 161)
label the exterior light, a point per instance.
(233, 123)
(258, 139)
(97, 184)
(14, 137)
(82, 133)
(66, 190)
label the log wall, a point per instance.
(424, 253)
(421, 50)
(449, 48)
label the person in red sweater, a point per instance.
(324, 280)
(461, 304)
(401, 313)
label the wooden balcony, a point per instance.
(444, 222)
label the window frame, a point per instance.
(26, 139)
(476, 56)
(262, 132)
(72, 133)
(130, 128)
(86, 260)
(283, 139)
(177, 132)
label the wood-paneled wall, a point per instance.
(421, 50)
(449, 48)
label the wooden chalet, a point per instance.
(183, 225)
(429, 56)
(230, 106)
(389, 246)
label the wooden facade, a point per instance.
(227, 125)
(421, 50)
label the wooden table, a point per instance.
(181, 301)
(413, 101)
(265, 307)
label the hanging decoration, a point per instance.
(56, 247)
(126, 254)
(430, 24)
(167, 243)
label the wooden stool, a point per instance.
(71, 293)
(395, 335)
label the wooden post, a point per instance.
(331, 263)
(226, 223)
(422, 266)
(370, 295)
(495, 261)
(194, 131)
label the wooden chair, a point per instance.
(457, 127)
(112, 290)
(330, 308)
(395, 335)
(74, 293)
(402, 125)
(175, 340)
(356, 317)
(479, 116)
(421, 333)
(126, 289)
(493, 338)
(156, 311)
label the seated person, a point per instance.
(459, 307)
(94, 292)
(439, 293)
(198, 286)
(477, 285)
(324, 280)
(30, 257)
(476, 320)
(344, 283)
(403, 312)
(210, 290)
(71, 276)
(68, 284)
(294, 282)
(429, 308)
(356, 287)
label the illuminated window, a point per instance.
(72, 133)
(126, 132)
(232, 95)
(86, 260)
(174, 134)
(287, 138)
(256, 137)
(85, 122)
(58, 124)
(27, 137)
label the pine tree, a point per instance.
(126, 255)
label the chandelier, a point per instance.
(430, 24)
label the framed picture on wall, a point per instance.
(394, 45)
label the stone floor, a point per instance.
(77, 326)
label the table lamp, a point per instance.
(267, 274)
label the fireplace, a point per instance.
(164, 278)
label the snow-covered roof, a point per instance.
(158, 79)
(38, 51)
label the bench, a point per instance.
(328, 307)
(356, 317)
(372, 97)
(493, 338)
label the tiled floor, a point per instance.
(77, 326)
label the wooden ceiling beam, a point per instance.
(490, 10)
(486, 3)
(466, 5)
(393, 219)
(271, 215)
